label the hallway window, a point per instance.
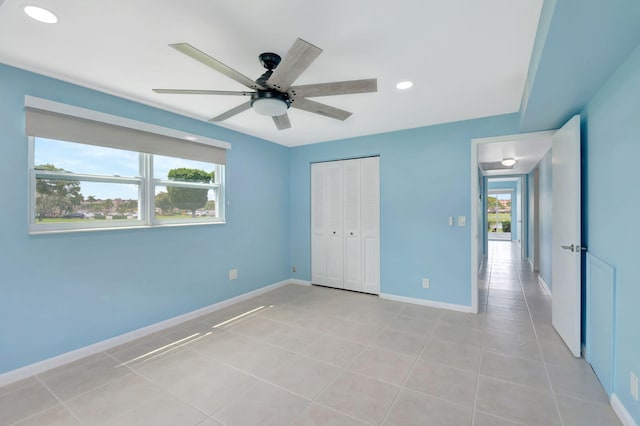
(499, 215)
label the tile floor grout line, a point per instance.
(311, 400)
(544, 364)
(60, 401)
(101, 385)
(402, 386)
(475, 397)
(164, 389)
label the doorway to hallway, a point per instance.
(521, 348)
(499, 215)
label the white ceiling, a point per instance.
(527, 151)
(467, 58)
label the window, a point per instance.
(98, 177)
(185, 189)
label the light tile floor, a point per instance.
(315, 356)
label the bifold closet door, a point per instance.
(345, 222)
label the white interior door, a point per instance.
(566, 251)
(519, 214)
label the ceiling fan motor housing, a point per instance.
(269, 60)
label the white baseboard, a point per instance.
(545, 287)
(65, 358)
(431, 303)
(299, 282)
(621, 411)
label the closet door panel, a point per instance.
(334, 209)
(370, 225)
(318, 225)
(352, 235)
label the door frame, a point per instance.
(474, 236)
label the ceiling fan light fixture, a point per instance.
(272, 104)
(40, 14)
(508, 162)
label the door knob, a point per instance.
(575, 248)
(350, 233)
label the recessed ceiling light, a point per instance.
(40, 14)
(508, 162)
(404, 85)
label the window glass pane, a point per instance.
(60, 200)
(169, 168)
(88, 159)
(173, 203)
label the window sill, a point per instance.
(122, 228)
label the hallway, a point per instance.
(538, 376)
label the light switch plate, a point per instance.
(233, 274)
(450, 220)
(462, 221)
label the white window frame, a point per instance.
(146, 197)
(216, 186)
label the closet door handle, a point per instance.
(334, 232)
(350, 233)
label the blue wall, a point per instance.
(62, 292)
(611, 136)
(425, 178)
(546, 217)
(580, 43)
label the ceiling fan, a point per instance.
(273, 91)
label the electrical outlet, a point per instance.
(233, 274)
(293, 269)
(425, 283)
(633, 380)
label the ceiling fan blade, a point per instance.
(322, 109)
(202, 92)
(295, 61)
(336, 88)
(233, 111)
(282, 121)
(207, 60)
